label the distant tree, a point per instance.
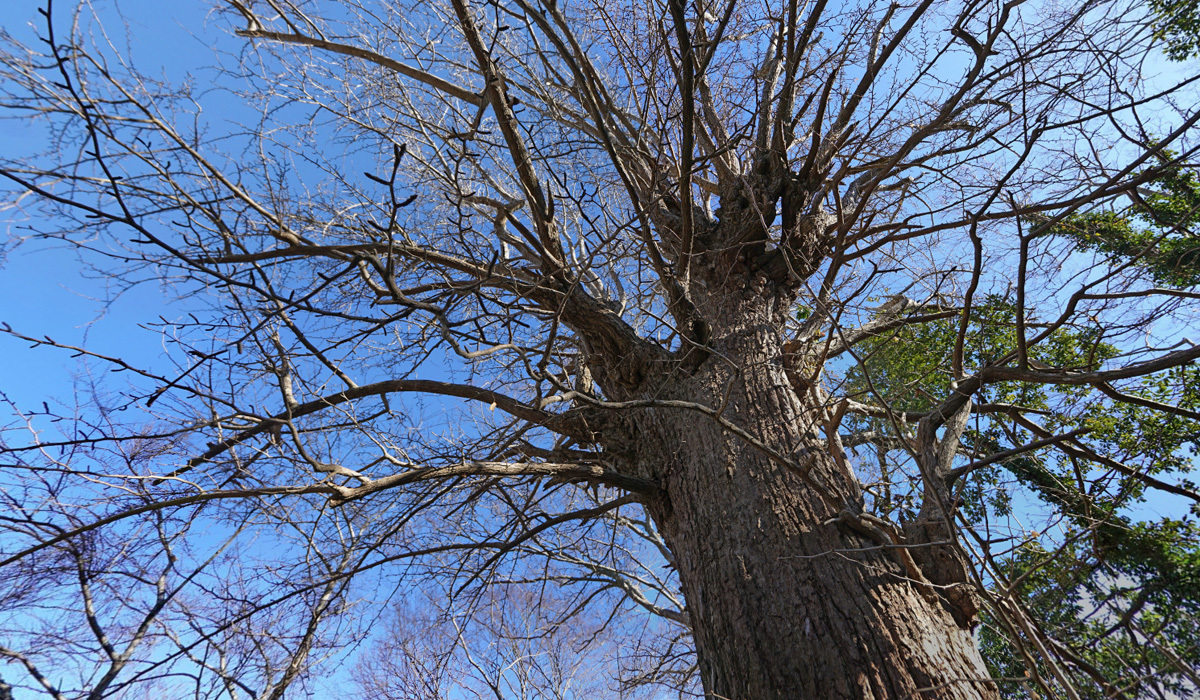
(747, 349)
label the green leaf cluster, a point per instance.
(1158, 234)
(1179, 27)
(1105, 580)
(1132, 614)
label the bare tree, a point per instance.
(610, 310)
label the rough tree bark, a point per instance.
(789, 593)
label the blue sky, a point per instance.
(44, 292)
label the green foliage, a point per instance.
(909, 370)
(1114, 581)
(1160, 236)
(1105, 580)
(1158, 442)
(1129, 613)
(910, 367)
(1179, 26)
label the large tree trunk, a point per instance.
(783, 603)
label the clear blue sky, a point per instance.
(41, 286)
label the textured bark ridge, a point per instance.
(784, 602)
